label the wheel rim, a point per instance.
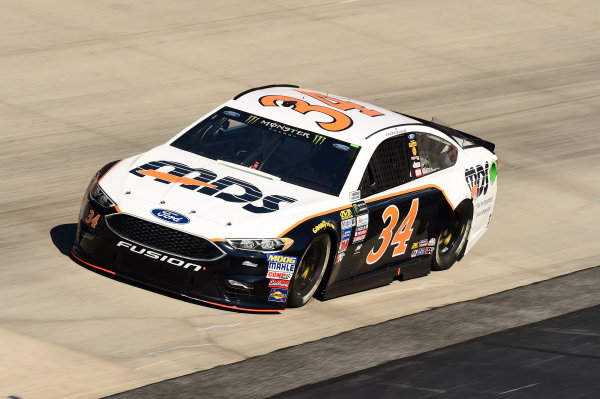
(311, 267)
(452, 234)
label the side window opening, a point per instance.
(389, 167)
(435, 153)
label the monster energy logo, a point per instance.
(318, 139)
(252, 119)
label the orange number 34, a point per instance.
(402, 234)
(91, 219)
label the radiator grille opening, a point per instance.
(162, 238)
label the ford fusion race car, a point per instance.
(282, 194)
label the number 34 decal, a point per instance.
(402, 234)
(91, 219)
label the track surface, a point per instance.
(84, 83)
(384, 343)
(557, 358)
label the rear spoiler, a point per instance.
(463, 139)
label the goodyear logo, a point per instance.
(346, 214)
(278, 295)
(323, 225)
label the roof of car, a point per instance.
(323, 113)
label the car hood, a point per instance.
(219, 200)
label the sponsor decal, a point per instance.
(395, 132)
(205, 182)
(279, 283)
(478, 179)
(360, 207)
(346, 214)
(431, 242)
(348, 223)
(279, 275)
(252, 119)
(322, 226)
(415, 245)
(285, 129)
(357, 249)
(414, 151)
(429, 250)
(170, 216)
(483, 211)
(343, 245)
(423, 243)
(415, 158)
(318, 139)
(418, 172)
(339, 257)
(489, 221)
(411, 136)
(414, 252)
(416, 165)
(485, 202)
(346, 233)
(281, 263)
(232, 114)
(341, 147)
(362, 220)
(278, 295)
(354, 196)
(359, 236)
(138, 249)
(249, 264)
(421, 251)
(412, 144)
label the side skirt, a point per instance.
(414, 269)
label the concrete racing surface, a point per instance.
(87, 82)
(467, 371)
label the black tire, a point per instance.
(452, 239)
(309, 271)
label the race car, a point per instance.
(282, 194)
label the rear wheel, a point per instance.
(452, 240)
(310, 271)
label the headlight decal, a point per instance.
(99, 196)
(261, 244)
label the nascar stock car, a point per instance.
(282, 194)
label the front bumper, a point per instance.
(237, 279)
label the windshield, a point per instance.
(294, 155)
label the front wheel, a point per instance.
(452, 240)
(310, 271)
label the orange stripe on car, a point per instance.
(234, 307)
(108, 171)
(89, 264)
(174, 179)
(369, 200)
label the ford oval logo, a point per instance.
(232, 114)
(170, 216)
(411, 136)
(341, 147)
